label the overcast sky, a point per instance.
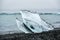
(16, 5)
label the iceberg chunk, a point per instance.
(34, 22)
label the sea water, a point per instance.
(8, 22)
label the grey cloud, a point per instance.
(16, 5)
